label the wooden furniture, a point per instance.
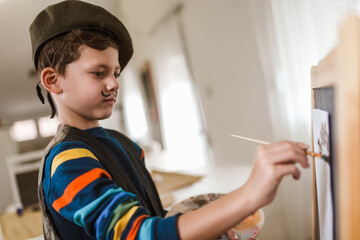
(341, 70)
(25, 226)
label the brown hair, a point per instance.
(64, 49)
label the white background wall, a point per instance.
(226, 69)
(226, 66)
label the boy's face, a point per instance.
(89, 87)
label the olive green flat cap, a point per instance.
(68, 15)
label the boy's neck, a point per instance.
(83, 125)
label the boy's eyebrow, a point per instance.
(117, 67)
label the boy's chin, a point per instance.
(106, 116)
(98, 116)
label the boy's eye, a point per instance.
(116, 75)
(98, 74)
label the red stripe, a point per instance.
(77, 185)
(135, 228)
(142, 154)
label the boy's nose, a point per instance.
(112, 84)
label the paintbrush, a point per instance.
(309, 153)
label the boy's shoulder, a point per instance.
(69, 138)
(70, 149)
(68, 145)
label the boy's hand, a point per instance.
(231, 234)
(272, 163)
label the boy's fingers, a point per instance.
(288, 169)
(303, 146)
(286, 143)
(285, 146)
(231, 234)
(286, 156)
(285, 152)
(293, 157)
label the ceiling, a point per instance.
(18, 97)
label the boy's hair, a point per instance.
(65, 49)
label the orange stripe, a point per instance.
(142, 154)
(76, 186)
(135, 228)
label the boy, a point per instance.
(93, 182)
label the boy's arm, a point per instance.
(272, 163)
(80, 190)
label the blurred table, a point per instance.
(28, 225)
(216, 179)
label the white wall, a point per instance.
(226, 66)
(225, 63)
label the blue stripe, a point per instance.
(104, 218)
(146, 229)
(81, 213)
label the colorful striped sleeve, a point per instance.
(79, 189)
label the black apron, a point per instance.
(68, 133)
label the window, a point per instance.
(134, 108)
(24, 130)
(47, 126)
(184, 138)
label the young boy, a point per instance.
(92, 181)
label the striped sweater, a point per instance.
(85, 203)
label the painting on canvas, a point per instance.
(321, 140)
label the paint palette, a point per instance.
(249, 228)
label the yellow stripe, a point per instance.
(70, 155)
(121, 224)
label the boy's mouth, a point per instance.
(110, 100)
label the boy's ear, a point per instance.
(50, 80)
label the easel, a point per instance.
(341, 70)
